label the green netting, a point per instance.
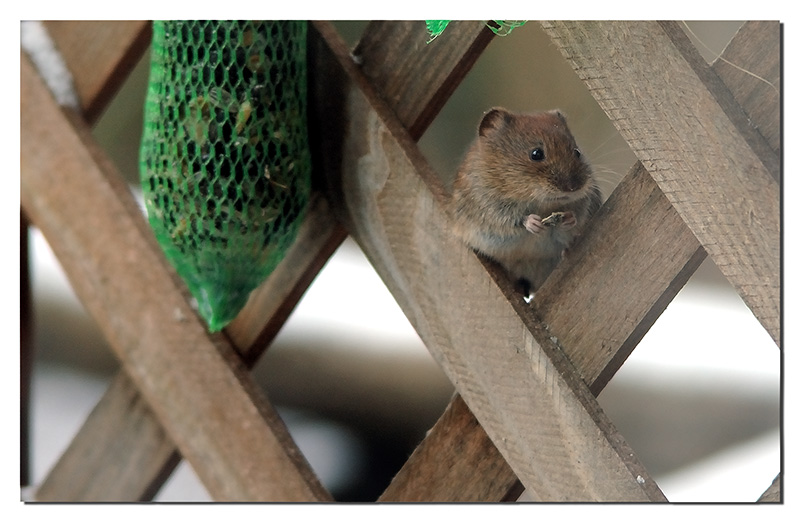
(504, 27)
(225, 164)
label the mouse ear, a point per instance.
(493, 120)
(560, 115)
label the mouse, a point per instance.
(523, 193)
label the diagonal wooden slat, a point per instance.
(520, 387)
(112, 54)
(228, 431)
(440, 469)
(586, 307)
(456, 462)
(750, 67)
(122, 453)
(686, 140)
(773, 492)
(725, 99)
(429, 75)
(588, 303)
(100, 55)
(421, 62)
(83, 472)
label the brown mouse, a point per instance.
(523, 193)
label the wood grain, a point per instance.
(539, 414)
(774, 491)
(99, 54)
(750, 66)
(404, 78)
(620, 230)
(195, 384)
(83, 472)
(123, 429)
(636, 236)
(456, 462)
(268, 307)
(723, 96)
(636, 241)
(107, 465)
(86, 472)
(696, 154)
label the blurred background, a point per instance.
(699, 400)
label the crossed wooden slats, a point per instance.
(123, 456)
(600, 309)
(400, 227)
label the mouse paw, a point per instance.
(533, 224)
(569, 220)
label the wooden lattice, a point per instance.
(707, 183)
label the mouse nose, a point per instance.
(573, 181)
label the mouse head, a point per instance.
(534, 152)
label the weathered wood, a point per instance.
(773, 492)
(456, 462)
(99, 54)
(194, 383)
(250, 333)
(615, 229)
(520, 387)
(724, 97)
(111, 471)
(115, 420)
(677, 129)
(750, 66)
(404, 78)
(256, 326)
(588, 302)
(588, 309)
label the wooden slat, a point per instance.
(750, 66)
(416, 79)
(725, 99)
(115, 49)
(441, 474)
(587, 306)
(108, 463)
(250, 333)
(456, 462)
(122, 423)
(520, 387)
(99, 55)
(684, 138)
(195, 385)
(256, 326)
(629, 266)
(404, 78)
(773, 492)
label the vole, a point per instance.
(523, 193)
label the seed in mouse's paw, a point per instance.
(556, 218)
(533, 224)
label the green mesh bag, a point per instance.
(224, 162)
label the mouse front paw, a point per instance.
(563, 220)
(533, 224)
(569, 220)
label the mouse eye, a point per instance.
(577, 153)
(537, 154)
